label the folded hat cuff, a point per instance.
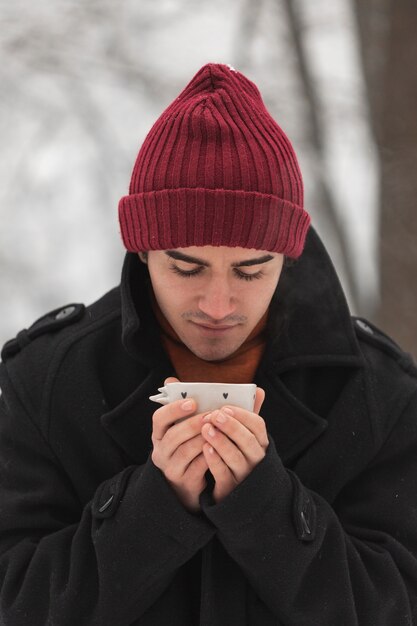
(179, 218)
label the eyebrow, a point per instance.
(179, 256)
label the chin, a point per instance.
(211, 354)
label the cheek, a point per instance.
(257, 300)
(172, 295)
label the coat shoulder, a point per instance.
(377, 343)
(63, 322)
(36, 352)
(391, 374)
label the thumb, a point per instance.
(171, 379)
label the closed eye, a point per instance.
(186, 273)
(198, 270)
(244, 276)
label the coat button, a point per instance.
(304, 524)
(106, 505)
(364, 327)
(66, 312)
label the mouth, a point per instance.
(215, 329)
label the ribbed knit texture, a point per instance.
(215, 169)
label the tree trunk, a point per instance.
(388, 32)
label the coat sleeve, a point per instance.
(312, 563)
(99, 565)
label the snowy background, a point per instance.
(82, 83)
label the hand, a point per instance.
(178, 449)
(236, 441)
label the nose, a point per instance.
(217, 301)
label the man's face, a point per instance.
(213, 297)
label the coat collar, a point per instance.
(311, 308)
(309, 326)
(140, 331)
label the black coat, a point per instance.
(323, 532)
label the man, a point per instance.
(301, 512)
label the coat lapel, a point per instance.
(291, 424)
(130, 423)
(310, 327)
(347, 443)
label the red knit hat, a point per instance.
(215, 169)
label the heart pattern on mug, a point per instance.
(184, 394)
(225, 395)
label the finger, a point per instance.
(183, 456)
(164, 417)
(259, 399)
(228, 451)
(242, 438)
(195, 471)
(224, 479)
(189, 486)
(171, 379)
(177, 434)
(252, 421)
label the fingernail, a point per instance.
(221, 417)
(187, 405)
(207, 417)
(211, 431)
(228, 410)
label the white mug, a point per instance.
(209, 396)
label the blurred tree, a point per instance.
(389, 46)
(315, 138)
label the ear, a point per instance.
(143, 257)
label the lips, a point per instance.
(215, 328)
